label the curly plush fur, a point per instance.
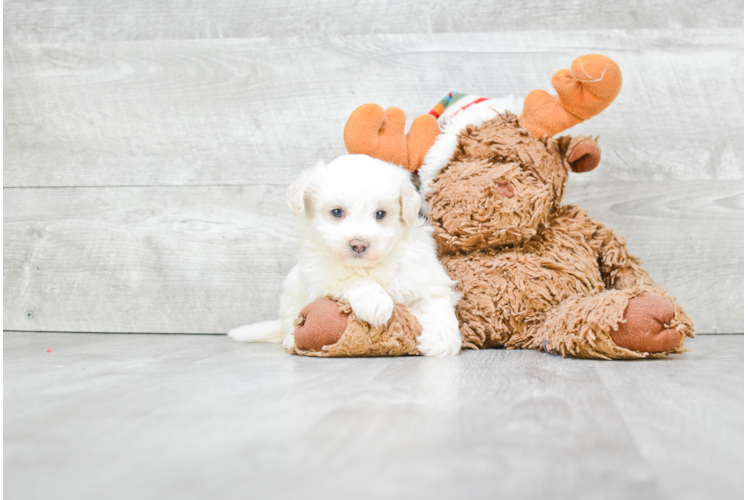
(533, 273)
(359, 338)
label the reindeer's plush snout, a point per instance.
(501, 185)
(504, 188)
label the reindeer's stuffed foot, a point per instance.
(638, 322)
(329, 328)
(321, 323)
(644, 327)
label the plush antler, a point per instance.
(381, 134)
(589, 87)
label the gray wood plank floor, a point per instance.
(156, 416)
(147, 147)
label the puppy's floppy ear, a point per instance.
(298, 192)
(410, 202)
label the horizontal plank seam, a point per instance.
(284, 184)
(725, 31)
(111, 333)
(221, 333)
(150, 186)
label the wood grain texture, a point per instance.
(197, 260)
(199, 112)
(207, 259)
(689, 236)
(655, 411)
(151, 416)
(169, 131)
(99, 20)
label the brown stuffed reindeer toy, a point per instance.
(533, 273)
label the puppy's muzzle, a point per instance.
(358, 245)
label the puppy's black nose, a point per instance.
(358, 245)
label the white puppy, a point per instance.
(363, 241)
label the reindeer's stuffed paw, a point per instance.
(320, 323)
(643, 326)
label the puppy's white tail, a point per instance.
(267, 331)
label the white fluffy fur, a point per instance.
(399, 264)
(441, 152)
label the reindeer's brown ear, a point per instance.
(587, 89)
(581, 154)
(381, 134)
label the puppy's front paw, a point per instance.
(289, 341)
(371, 305)
(438, 339)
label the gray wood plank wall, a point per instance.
(147, 145)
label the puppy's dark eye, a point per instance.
(379, 214)
(337, 213)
